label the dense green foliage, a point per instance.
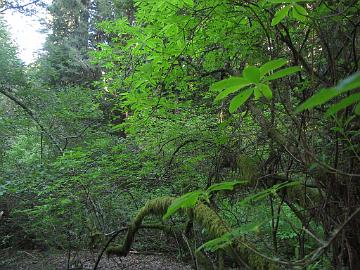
(248, 108)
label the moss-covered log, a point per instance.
(155, 207)
(203, 216)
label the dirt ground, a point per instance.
(35, 260)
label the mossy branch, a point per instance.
(202, 215)
(155, 207)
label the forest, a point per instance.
(218, 134)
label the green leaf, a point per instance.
(171, 30)
(252, 74)
(319, 98)
(226, 92)
(257, 93)
(217, 243)
(229, 82)
(357, 109)
(190, 3)
(288, 1)
(225, 186)
(227, 239)
(282, 73)
(326, 94)
(265, 90)
(298, 12)
(280, 15)
(280, 1)
(245, 228)
(349, 83)
(344, 103)
(272, 65)
(65, 201)
(264, 193)
(240, 99)
(187, 200)
(230, 85)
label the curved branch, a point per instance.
(203, 215)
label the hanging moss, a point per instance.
(202, 215)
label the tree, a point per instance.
(10, 66)
(73, 34)
(27, 7)
(258, 99)
(178, 49)
(65, 59)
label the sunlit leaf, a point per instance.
(282, 73)
(187, 200)
(280, 15)
(190, 3)
(240, 99)
(252, 74)
(171, 30)
(231, 85)
(265, 90)
(272, 65)
(65, 201)
(257, 93)
(298, 12)
(225, 186)
(229, 82)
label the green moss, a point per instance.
(202, 215)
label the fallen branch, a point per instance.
(116, 233)
(204, 216)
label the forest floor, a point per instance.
(36, 260)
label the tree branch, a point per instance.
(18, 6)
(32, 115)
